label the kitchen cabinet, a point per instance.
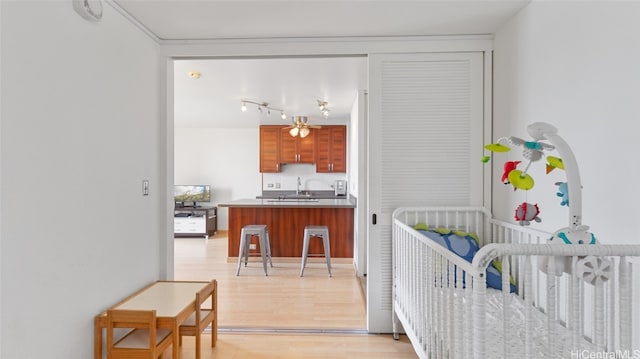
(270, 149)
(297, 149)
(331, 149)
(286, 222)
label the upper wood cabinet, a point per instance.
(331, 149)
(270, 148)
(297, 149)
(326, 147)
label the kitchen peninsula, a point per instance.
(286, 218)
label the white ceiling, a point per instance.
(294, 84)
(290, 84)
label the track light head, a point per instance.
(262, 107)
(324, 107)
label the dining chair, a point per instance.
(206, 313)
(141, 338)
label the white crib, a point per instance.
(447, 311)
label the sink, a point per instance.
(294, 199)
(302, 195)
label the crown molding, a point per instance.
(134, 21)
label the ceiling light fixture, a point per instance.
(300, 127)
(324, 108)
(262, 106)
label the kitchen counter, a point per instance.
(289, 202)
(286, 218)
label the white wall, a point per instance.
(227, 159)
(575, 65)
(80, 131)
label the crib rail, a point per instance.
(442, 303)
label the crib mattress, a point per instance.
(561, 344)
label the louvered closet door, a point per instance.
(425, 145)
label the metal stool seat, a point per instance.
(259, 230)
(316, 231)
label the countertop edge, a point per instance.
(266, 203)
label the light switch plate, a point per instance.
(145, 187)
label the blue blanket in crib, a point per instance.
(465, 245)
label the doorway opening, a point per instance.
(215, 143)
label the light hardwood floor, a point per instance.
(283, 315)
(299, 346)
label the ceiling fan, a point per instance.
(300, 127)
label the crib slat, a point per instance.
(506, 270)
(599, 314)
(611, 286)
(574, 296)
(458, 318)
(551, 306)
(625, 304)
(528, 299)
(479, 316)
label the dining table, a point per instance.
(173, 301)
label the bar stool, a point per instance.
(259, 230)
(316, 231)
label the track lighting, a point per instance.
(262, 106)
(324, 108)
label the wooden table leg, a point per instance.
(176, 338)
(97, 337)
(214, 322)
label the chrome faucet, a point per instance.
(299, 185)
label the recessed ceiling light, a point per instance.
(194, 75)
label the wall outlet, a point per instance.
(277, 185)
(252, 246)
(269, 185)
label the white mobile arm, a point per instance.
(544, 131)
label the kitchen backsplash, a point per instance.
(287, 179)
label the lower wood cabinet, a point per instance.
(286, 229)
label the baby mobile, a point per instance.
(533, 151)
(592, 269)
